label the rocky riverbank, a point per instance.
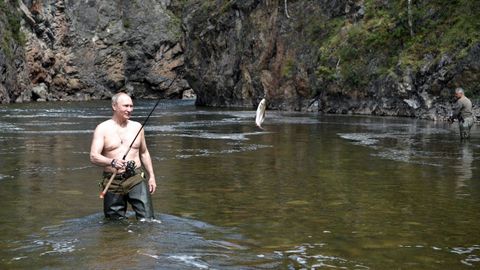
(81, 50)
(343, 56)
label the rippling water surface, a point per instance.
(309, 192)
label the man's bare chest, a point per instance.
(118, 137)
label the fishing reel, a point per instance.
(450, 118)
(130, 169)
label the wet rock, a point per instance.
(25, 96)
(40, 92)
(230, 53)
(355, 10)
(412, 103)
(4, 97)
(189, 94)
(75, 46)
(264, 55)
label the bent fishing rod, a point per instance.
(104, 191)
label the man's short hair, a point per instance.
(116, 96)
(459, 90)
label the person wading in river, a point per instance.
(111, 140)
(462, 111)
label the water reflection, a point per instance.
(464, 170)
(174, 243)
(309, 192)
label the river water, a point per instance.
(310, 191)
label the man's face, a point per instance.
(123, 107)
(458, 95)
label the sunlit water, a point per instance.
(309, 192)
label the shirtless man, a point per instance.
(110, 143)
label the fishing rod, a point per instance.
(104, 191)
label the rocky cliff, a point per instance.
(81, 50)
(337, 56)
(12, 65)
(377, 57)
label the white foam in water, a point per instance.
(189, 153)
(36, 115)
(227, 245)
(404, 155)
(471, 253)
(64, 246)
(186, 126)
(150, 220)
(395, 154)
(293, 120)
(222, 136)
(3, 176)
(57, 132)
(400, 145)
(8, 127)
(56, 115)
(150, 255)
(93, 116)
(163, 128)
(190, 260)
(49, 123)
(361, 138)
(175, 243)
(19, 258)
(465, 250)
(217, 136)
(305, 256)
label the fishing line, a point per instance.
(145, 122)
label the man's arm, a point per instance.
(96, 150)
(147, 163)
(457, 108)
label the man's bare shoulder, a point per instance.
(134, 124)
(105, 125)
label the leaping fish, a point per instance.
(260, 115)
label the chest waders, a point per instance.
(132, 184)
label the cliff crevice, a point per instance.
(399, 58)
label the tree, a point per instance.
(286, 9)
(410, 16)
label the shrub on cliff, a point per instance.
(389, 37)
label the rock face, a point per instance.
(320, 56)
(81, 50)
(334, 56)
(13, 77)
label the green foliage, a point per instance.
(289, 68)
(5, 47)
(10, 19)
(383, 36)
(175, 25)
(226, 6)
(443, 27)
(126, 23)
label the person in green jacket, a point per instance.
(462, 111)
